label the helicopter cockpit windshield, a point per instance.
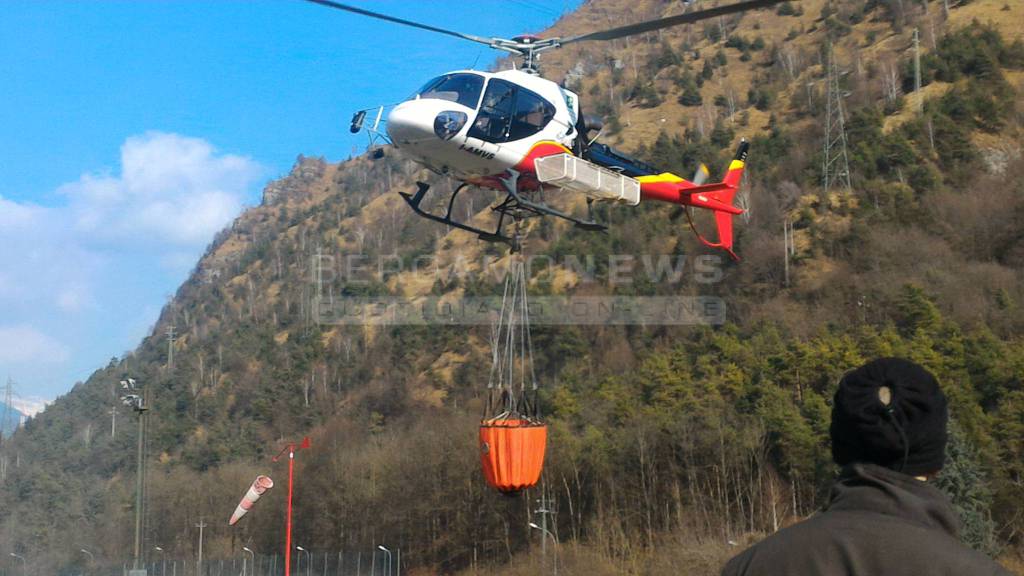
(463, 88)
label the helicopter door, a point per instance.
(492, 122)
(510, 112)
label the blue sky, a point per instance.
(130, 132)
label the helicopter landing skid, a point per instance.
(416, 198)
(515, 206)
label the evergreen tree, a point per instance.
(965, 482)
(691, 92)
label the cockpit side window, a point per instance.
(462, 88)
(509, 112)
(532, 114)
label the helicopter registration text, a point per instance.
(477, 152)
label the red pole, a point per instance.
(288, 529)
(291, 478)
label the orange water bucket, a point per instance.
(512, 453)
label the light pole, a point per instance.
(163, 560)
(24, 563)
(89, 554)
(388, 552)
(134, 398)
(544, 534)
(544, 511)
(291, 448)
(309, 558)
(199, 564)
(244, 571)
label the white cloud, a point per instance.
(17, 216)
(29, 406)
(107, 254)
(24, 344)
(172, 189)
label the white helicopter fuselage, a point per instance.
(475, 126)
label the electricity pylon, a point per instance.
(836, 162)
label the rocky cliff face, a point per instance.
(297, 183)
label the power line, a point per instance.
(537, 7)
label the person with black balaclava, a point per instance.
(883, 517)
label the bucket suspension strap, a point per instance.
(494, 379)
(513, 379)
(528, 347)
(509, 364)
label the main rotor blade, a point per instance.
(353, 9)
(660, 23)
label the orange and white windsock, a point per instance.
(260, 485)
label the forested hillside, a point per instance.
(667, 442)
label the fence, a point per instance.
(313, 563)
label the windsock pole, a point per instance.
(288, 529)
(291, 448)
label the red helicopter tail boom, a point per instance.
(717, 197)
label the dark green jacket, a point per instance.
(877, 523)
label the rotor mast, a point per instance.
(528, 49)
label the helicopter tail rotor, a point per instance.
(723, 219)
(721, 202)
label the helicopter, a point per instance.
(525, 136)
